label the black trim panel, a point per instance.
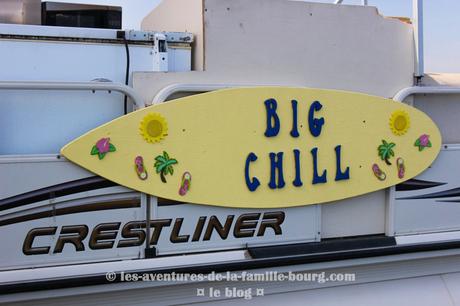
(414, 184)
(331, 245)
(455, 192)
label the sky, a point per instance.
(441, 24)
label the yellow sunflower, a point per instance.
(399, 122)
(153, 127)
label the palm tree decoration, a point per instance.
(386, 151)
(164, 165)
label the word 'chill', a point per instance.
(276, 159)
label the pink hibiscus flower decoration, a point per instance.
(423, 142)
(102, 147)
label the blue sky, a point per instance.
(441, 24)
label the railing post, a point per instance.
(417, 7)
(90, 86)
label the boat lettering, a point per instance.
(276, 158)
(104, 235)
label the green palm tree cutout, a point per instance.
(164, 165)
(386, 151)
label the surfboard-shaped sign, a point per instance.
(262, 147)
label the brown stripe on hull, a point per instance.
(117, 204)
(55, 191)
(168, 202)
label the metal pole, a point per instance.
(167, 91)
(441, 90)
(417, 7)
(147, 226)
(105, 86)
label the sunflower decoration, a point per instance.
(153, 127)
(399, 122)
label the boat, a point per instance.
(263, 151)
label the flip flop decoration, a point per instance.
(139, 167)
(401, 167)
(378, 172)
(185, 183)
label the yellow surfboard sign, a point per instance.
(262, 147)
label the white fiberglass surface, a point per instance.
(33, 122)
(40, 122)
